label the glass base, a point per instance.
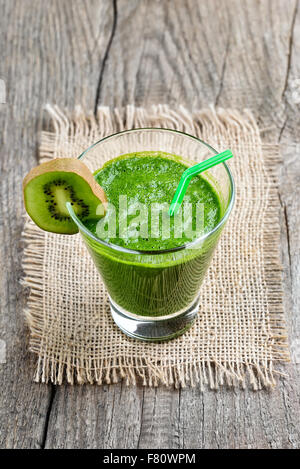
(154, 329)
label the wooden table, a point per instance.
(232, 53)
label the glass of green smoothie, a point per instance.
(152, 264)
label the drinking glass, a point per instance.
(154, 295)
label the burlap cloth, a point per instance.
(240, 331)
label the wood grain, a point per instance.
(51, 51)
(229, 53)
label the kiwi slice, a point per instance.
(48, 187)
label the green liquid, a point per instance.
(158, 284)
(152, 178)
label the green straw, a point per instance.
(191, 172)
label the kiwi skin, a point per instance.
(79, 180)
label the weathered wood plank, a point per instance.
(198, 53)
(240, 59)
(50, 51)
(238, 54)
(290, 201)
(93, 417)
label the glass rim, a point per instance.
(191, 244)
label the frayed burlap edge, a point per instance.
(66, 126)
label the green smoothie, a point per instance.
(144, 279)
